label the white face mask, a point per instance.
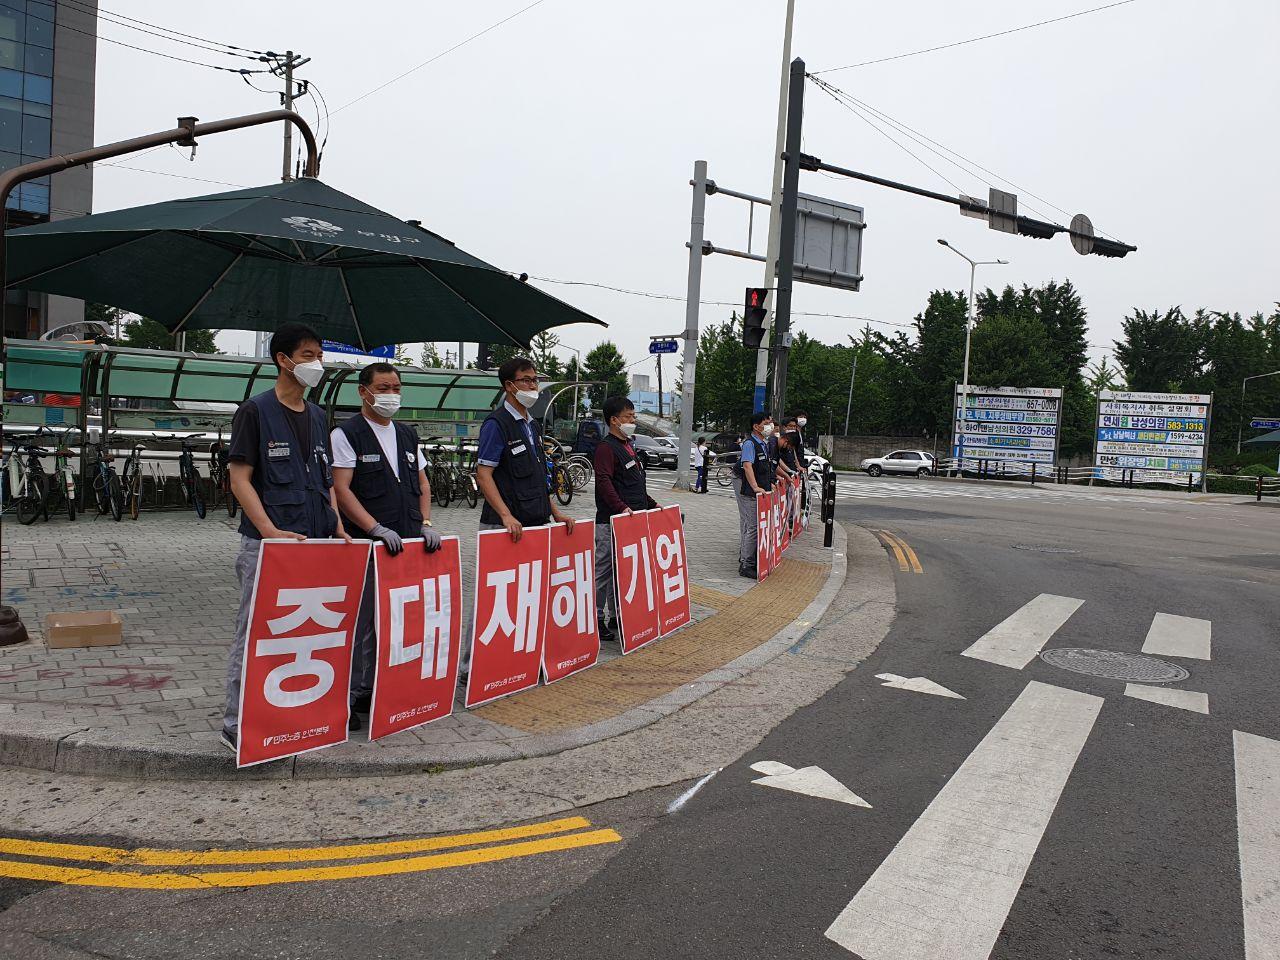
(308, 374)
(628, 429)
(386, 404)
(767, 429)
(527, 398)
(802, 421)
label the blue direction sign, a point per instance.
(1265, 423)
(663, 346)
(386, 353)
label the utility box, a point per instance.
(828, 243)
(90, 628)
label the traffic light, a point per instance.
(753, 317)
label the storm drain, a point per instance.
(1133, 667)
(1043, 548)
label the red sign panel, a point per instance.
(786, 493)
(764, 536)
(296, 677)
(510, 613)
(775, 524)
(634, 581)
(573, 639)
(667, 547)
(418, 603)
(797, 523)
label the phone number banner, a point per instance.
(1010, 424)
(1153, 437)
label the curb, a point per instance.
(76, 749)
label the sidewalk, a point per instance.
(153, 705)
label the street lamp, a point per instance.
(577, 375)
(1240, 423)
(968, 330)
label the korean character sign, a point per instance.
(573, 638)
(510, 613)
(671, 576)
(634, 581)
(418, 623)
(296, 676)
(764, 535)
(786, 492)
(775, 525)
(797, 516)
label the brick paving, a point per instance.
(169, 576)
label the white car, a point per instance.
(919, 462)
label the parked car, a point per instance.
(653, 453)
(919, 462)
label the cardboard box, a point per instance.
(91, 628)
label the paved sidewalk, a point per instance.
(153, 705)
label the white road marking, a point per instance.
(811, 781)
(772, 768)
(1015, 642)
(1173, 636)
(1182, 699)
(916, 685)
(685, 797)
(947, 887)
(1258, 825)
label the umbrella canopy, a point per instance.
(1272, 437)
(253, 259)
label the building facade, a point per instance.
(48, 57)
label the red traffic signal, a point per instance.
(753, 317)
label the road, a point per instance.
(1040, 814)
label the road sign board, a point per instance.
(386, 353)
(1152, 437)
(1264, 423)
(663, 346)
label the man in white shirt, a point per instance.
(700, 465)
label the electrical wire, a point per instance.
(443, 53)
(173, 36)
(988, 36)
(177, 176)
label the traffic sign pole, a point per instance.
(697, 221)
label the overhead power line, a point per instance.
(163, 33)
(987, 36)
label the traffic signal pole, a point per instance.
(781, 341)
(697, 225)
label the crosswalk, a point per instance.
(948, 886)
(893, 488)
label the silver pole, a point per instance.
(964, 387)
(287, 174)
(462, 360)
(849, 406)
(775, 208)
(697, 220)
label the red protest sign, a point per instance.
(764, 536)
(786, 494)
(573, 639)
(798, 516)
(775, 525)
(666, 537)
(635, 593)
(510, 613)
(418, 611)
(296, 676)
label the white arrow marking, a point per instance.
(916, 685)
(813, 781)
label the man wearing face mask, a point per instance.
(758, 469)
(281, 473)
(620, 489)
(383, 492)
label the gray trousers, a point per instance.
(246, 565)
(366, 646)
(748, 529)
(604, 571)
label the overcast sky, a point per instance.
(561, 143)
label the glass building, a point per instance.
(47, 61)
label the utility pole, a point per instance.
(849, 406)
(284, 68)
(787, 238)
(659, 356)
(693, 293)
(775, 207)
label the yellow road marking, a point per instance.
(897, 550)
(910, 554)
(908, 562)
(86, 877)
(207, 858)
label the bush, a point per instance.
(1243, 481)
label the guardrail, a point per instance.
(984, 469)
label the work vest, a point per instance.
(628, 480)
(764, 465)
(388, 491)
(293, 484)
(521, 473)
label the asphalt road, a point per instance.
(1045, 815)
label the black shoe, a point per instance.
(607, 632)
(228, 740)
(745, 570)
(354, 722)
(362, 703)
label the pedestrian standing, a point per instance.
(282, 476)
(758, 470)
(699, 454)
(620, 489)
(382, 491)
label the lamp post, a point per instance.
(1240, 423)
(968, 332)
(577, 375)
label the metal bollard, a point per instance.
(828, 505)
(1033, 473)
(1190, 487)
(1259, 488)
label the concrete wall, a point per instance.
(848, 452)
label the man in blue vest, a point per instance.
(758, 469)
(620, 489)
(281, 474)
(383, 493)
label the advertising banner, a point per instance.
(296, 676)
(1151, 437)
(639, 621)
(666, 535)
(1007, 424)
(573, 637)
(510, 613)
(418, 624)
(764, 536)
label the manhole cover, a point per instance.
(1043, 548)
(1134, 667)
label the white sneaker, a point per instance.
(226, 740)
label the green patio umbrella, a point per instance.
(253, 259)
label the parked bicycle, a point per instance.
(451, 473)
(220, 474)
(559, 481)
(63, 482)
(131, 480)
(189, 475)
(107, 493)
(28, 484)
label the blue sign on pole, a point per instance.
(385, 353)
(663, 346)
(1265, 423)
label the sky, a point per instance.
(561, 142)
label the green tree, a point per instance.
(1160, 352)
(430, 357)
(149, 335)
(542, 353)
(725, 377)
(1103, 376)
(605, 363)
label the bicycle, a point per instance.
(29, 485)
(64, 476)
(581, 469)
(189, 474)
(131, 480)
(558, 480)
(107, 495)
(220, 473)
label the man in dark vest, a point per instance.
(383, 494)
(758, 468)
(620, 489)
(281, 473)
